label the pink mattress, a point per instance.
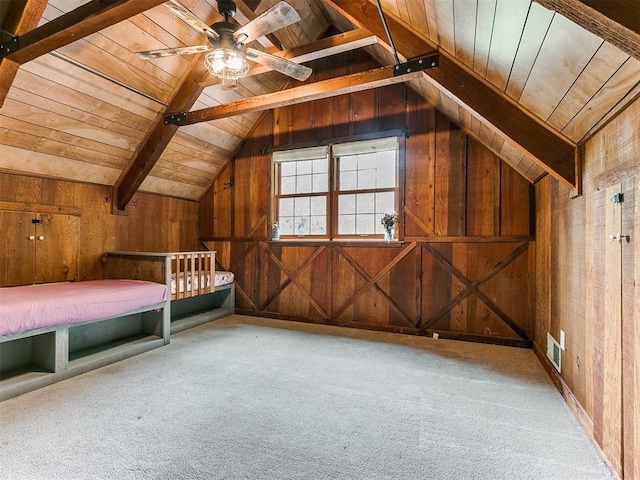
(49, 304)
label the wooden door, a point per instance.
(17, 248)
(57, 238)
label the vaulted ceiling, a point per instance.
(532, 81)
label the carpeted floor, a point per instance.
(248, 398)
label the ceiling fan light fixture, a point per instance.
(227, 63)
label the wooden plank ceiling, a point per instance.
(521, 78)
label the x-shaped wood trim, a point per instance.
(292, 278)
(239, 290)
(373, 282)
(474, 288)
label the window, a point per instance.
(336, 191)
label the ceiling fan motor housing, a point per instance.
(227, 8)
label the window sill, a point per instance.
(378, 242)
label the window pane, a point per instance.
(365, 224)
(386, 159)
(318, 206)
(287, 168)
(365, 203)
(386, 178)
(348, 180)
(318, 225)
(346, 204)
(287, 185)
(349, 163)
(285, 207)
(385, 202)
(321, 166)
(301, 226)
(302, 206)
(286, 225)
(304, 167)
(346, 224)
(320, 182)
(366, 179)
(303, 184)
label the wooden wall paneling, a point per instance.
(92, 230)
(511, 282)
(607, 60)
(543, 262)
(56, 248)
(206, 216)
(538, 95)
(535, 30)
(251, 169)
(17, 261)
(630, 332)
(450, 181)
(632, 405)
(508, 24)
(438, 287)
(322, 109)
(485, 21)
(612, 421)
(283, 125)
(223, 191)
(244, 265)
(483, 191)
(514, 202)
(392, 105)
(350, 282)
(420, 169)
(302, 122)
(600, 203)
(402, 286)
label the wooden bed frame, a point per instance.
(191, 306)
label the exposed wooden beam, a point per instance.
(322, 48)
(151, 148)
(333, 87)
(615, 21)
(20, 18)
(89, 18)
(555, 154)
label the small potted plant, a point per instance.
(388, 222)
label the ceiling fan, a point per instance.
(227, 56)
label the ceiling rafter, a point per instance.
(333, 87)
(554, 153)
(615, 21)
(152, 147)
(21, 18)
(159, 136)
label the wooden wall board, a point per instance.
(98, 230)
(535, 30)
(514, 202)
(483, 184)
(629, 331)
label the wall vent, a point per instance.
(554, 352)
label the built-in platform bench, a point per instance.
(50, 332)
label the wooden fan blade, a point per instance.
(179, 10)
(168, 52)
(277, 17)
(289, 68)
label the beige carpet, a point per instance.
(248, 398)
